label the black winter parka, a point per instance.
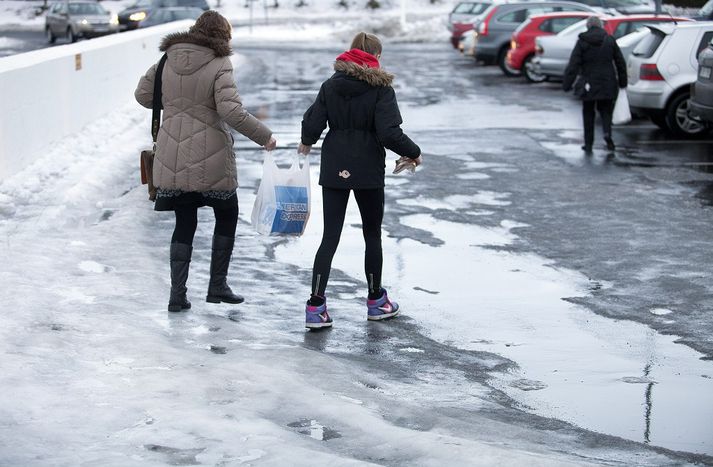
(598, 59)
(360, 107)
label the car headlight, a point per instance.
(138, 16)
(114, 20)
(84, 22)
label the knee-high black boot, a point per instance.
(180, 262)
(218, 289)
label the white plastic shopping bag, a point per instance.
(282, 205)
(622, 113)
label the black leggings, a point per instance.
(371, 207)
(606, 110)
(226, 221)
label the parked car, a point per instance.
(75, 19)
(706, 12)
(661, 70)
(493, 32)
(166, 15)
(522, 45)
(461, 19)
(552, 52)
(132, 17)
(701, 104)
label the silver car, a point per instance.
(75, 19)
(661, 70)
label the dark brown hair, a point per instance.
(212, 24)
(369, 43)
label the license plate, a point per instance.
(705, 72)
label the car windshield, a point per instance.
(576, 28)
(86, 9)
(471, 8)
(175, 3)
(189, 13)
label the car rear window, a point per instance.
(471, 8)
(557, 25)
(649, 44)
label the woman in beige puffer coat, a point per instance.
(195, 164)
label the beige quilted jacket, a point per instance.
(194, 151)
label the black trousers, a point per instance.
(226, 221)
(605, 107)
(371, 208)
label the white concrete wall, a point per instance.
(44, 98)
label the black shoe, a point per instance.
(587, 149)
(610, 143)
(218, 289)
(180, 262)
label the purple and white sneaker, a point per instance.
(381, 308)
(316, 317)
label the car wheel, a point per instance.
(50, 37)
(70, 35)
(528, 69)
(679, 122)
(503, 63)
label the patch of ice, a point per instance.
(660, 311)
(411, 350)
(473, 176)
(92, 266)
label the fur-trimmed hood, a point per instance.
(372, 76)
(219, 46)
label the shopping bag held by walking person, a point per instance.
(282, 205)
(147, 157)
(622, 112)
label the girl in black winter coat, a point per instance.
(360, 107)
(601, 68)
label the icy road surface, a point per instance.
(543, 297)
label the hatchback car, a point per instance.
(553, 52)
(702, 91)
(461, 19)
(166, 15)
(522, 45)
(75, 19)
(132, 17)
(661, 70)
(492, 33)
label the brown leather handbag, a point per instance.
(147, 157)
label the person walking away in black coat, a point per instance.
(597, 70)
(360, 107)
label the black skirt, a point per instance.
(168, 199)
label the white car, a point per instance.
(661, 70)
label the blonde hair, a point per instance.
(368, 43)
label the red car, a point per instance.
(522, 46)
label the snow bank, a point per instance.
(52, 93)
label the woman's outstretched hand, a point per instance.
(271, 145)
(418, 161)
(304, 149)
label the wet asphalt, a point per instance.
(635, 221)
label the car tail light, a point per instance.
(513, 44)
(483, 28)
(649, 72)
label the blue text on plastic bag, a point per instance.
(292, 209)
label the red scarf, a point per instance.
(359, 57)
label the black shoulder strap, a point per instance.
(157, 104)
